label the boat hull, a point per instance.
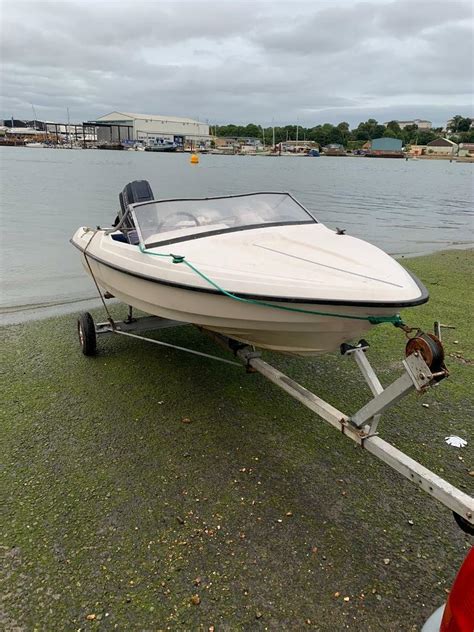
(162, 149)
(282, 330)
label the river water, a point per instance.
(404, 207)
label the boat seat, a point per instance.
(127, 237)
(119, 237)
(132, 236)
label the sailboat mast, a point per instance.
(68, 128)
(34, 116)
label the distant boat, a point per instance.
(223, 151)
(162, 147)
(313, 153)
(334, 149)
(35, 144)
(133, 146)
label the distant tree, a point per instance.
(344, 131)
(410, 134)
(361, 134)
(459, 124)
(326, 134)
(393, 125)
(452, 125)
(341, 133)
(252, 131)
(426, 136)
(467, 137)
(368, 130)
(464, 124)
(393, 130)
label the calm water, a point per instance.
(405, 208)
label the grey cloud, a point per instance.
(328, 30)
(336, 29)
(236, 61)
(404, 19)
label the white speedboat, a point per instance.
(258, 268)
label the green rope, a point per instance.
(373, 320)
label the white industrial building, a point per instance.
(148, 128)
(420, 123)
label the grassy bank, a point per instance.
(145, 489)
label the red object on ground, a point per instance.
(459, 610)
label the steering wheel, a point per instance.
(177, 213)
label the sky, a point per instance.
(266, 62)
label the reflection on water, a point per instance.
(406, 208)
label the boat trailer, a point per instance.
(423, 368)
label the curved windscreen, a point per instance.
(177, 220)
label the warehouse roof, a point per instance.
(441, 142)
(386, 144)
(148, 117)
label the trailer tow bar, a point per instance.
(361, 426)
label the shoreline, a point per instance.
(264, 153)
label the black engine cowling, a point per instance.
(133, 192)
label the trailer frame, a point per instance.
(360, 427)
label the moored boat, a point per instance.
(162, 147)
(36, 145)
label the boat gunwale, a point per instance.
(423, 298)
(224, 231)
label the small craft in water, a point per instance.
(257, 267)
(35, 144)
(166, 147)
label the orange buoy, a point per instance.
(194, 159)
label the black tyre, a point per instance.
(463, 524)
(86, 333)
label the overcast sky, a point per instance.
(241, 62)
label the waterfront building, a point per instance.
(385, 147)
(149, 129)
(420, 123)
(466, 150)
(237, 142)
(441, 147)
(22, 124)
(48, 131)
(417, 150)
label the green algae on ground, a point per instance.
(115, 513)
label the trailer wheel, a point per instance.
(86, 333)
(463, 524)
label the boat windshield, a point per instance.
(171, 221)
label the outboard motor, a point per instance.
(133, 192)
